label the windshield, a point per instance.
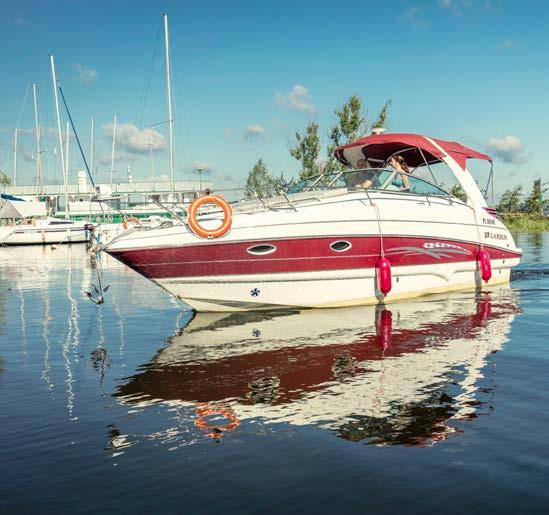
(370, 179)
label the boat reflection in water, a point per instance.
(388, 375)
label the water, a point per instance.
(136, 406)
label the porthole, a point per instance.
(340, 246)
(261, 250)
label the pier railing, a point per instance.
(122, 188)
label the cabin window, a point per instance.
(340, 246)
(421, 187)
(261, 250)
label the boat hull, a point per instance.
(326, 290)
(324, 254)
(42, 236)
(307, 273)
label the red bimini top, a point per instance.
(378, 148)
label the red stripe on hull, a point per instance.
(298, 255)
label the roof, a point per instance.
(21, 209)
(379, 147)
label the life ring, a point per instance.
(215, 431)
(227, 216)
(130, 219)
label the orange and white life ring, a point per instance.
(227, 216)
(215, 430)
(130, 219)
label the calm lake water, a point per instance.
(138, 406)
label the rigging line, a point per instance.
(76, 134)
(24, 103)
(184, 126)
(146, 89)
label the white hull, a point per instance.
(42, 234)
(308, 290)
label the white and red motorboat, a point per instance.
(327, 243)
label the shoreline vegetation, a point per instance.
(525, 222)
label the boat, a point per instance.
(325, 242)
(408, 375)
(26, 223)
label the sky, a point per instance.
(248, 74)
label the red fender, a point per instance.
(484, 265)
(383, 272)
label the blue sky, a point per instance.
(247, 74)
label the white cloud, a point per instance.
(19, 20)
(507, 43)
(413, 17)
(509, 149)
(135, 141)
(28, 155)
(202, 165)
(451, 5)
(254, 131)
(85, 74)
(297, 99)
(105, 159)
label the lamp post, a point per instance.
(152, 166)
(199, 170)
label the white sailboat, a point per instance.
(27, 222)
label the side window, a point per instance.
(421, 187)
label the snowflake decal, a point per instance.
(440, 245)
(256, 333)
(255, 292)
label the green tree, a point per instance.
(510, 200)
(457, 191)
(352, 123)
(535, 202)
(259, 181)
(4, 179)
(279, 183)
(306, 150)
(383, 115)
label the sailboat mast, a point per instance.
(169, 88)
(38, 153)
(54, 79)
(92, 146)
(15, 158)
(67, 139)
(112, 149)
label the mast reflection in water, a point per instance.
(400, 374)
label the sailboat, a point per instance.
(27, 222)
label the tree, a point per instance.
(510, 200)
(535, 203)
(351, 125)
(259, 181)
(383, 115)
(4, 179)
(306, 150)
(457, 191)
(279, 183)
